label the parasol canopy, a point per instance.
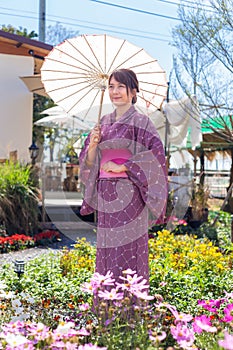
(58, 118)
(75, 73)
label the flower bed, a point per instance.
(21, 241)
(188, 304)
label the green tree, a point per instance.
(20, 31)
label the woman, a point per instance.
(123, 169)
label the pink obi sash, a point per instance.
(118, 156)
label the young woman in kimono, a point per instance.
(123, 168)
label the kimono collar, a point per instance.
(124, 116)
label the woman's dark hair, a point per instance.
(128, 78)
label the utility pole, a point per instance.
(42, 20)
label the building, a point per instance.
(19, 57)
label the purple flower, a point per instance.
(110, 295)
(228, 313)
(84, 307)
(183, 335)
(227, 342)
(203, 323)
(210, 305)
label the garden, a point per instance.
(59, 302)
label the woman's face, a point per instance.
(118, 93)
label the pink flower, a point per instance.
(110, 295)
(84, 307)
(227, 342)
(183, 335)
(182, 317)
(133, 283)
(182, 222)
(229, 295)
(228, 313)
(162, 284)
(83, 332)
(142, 295)
(168, 306)
(210, 305)
(203, 323)
(38, 330)
(87, 287)
(97, 282)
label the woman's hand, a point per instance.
(94, 140)
(113, 167)
(95, 136)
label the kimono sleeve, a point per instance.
(147, 169)
(88, 177)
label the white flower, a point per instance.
(2, 285)
(64, 328)
(15, 339)
(7, 295)
(20, 317)
(27, 297)
(16, 303)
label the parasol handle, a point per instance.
(101, 104)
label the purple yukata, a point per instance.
(122, 199)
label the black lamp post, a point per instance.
(19, 267)
(34, 151)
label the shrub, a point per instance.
(18, 199)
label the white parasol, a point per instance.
(75, 73)
(58, 118)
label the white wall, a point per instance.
(16, 106)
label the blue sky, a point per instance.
(145, 23)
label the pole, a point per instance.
(42, 20)
(166, 142)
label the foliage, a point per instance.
(184, 269)
(20, 31)
(18, 199)
(181, 227)
(81, 257)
